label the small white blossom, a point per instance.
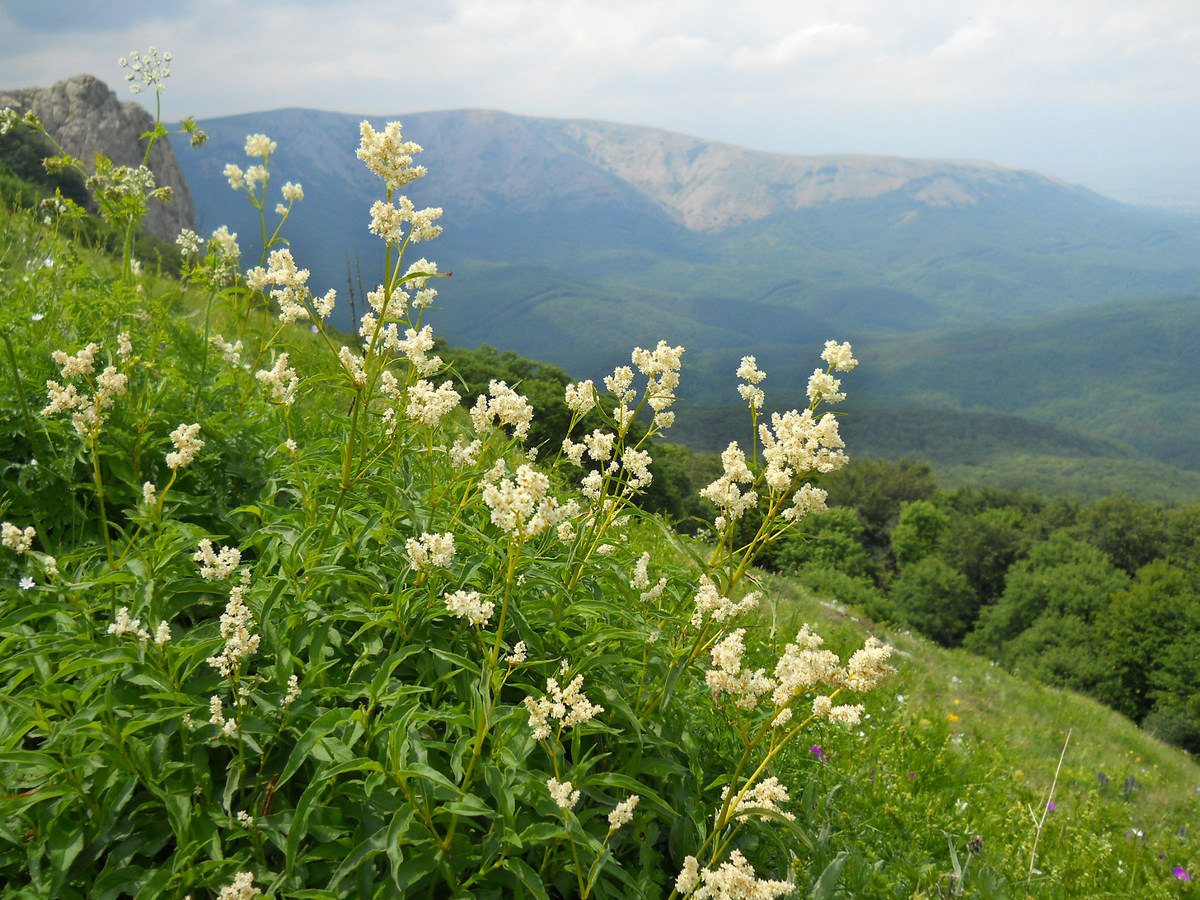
(242, 888)
(622, 814)
(431, 550)
(563, 793)
(187, 445)
(469, 604)
(17, 539)
(517, 656)
(293, 691)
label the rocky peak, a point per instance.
(84, 116)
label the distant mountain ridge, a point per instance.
(573, 241)
(711, 186)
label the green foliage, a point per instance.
(1132, 534)
(983, 545)
(936, 599)
(830, 542)
(21, 156)
(918, 532)
(321, 634)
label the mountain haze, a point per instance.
(572, 241)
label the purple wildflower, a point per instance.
(1181, 874)
(1050, 806)
(816, 751)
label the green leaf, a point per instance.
(827, 883)
(528, 878)
(321, 726)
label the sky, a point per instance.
(1104, 93)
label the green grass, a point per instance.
(967, 731)
(953, 747)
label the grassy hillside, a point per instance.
(279, 616)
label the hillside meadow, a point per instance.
(285, 614)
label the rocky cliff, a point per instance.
(86, 118)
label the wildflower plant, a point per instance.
(121, 193)
(405, 659)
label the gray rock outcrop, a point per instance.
(86, 118)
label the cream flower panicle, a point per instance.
(14, 538)
(839, 356)
(388, 156)
(563, 792)
(568, 705)
(431, 550)
(728, 677)
(187, 445)
(622, 814)
(733, 880)
(215, 565)
(471, 606)
(236, 622)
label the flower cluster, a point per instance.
(150, 70)
(87, 412)
(429, 405)
(281, 379)
(749, 372)
(291, 290)
(568, 705)
(520, 506)
(235, 630)
(471, 606)
(15, 538)
(733, 880)
(215, 565)
(388, 156)
(661, 366)
(711, 605)
(767, 794)
(581, 397)
(725, 494)
(242, 888)
(431, 550)
(728, 677)
(505, 406)
(123, 624)
(563, 793)
(389, 221)
(622, 813)
(187, 445)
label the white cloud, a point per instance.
(939, 77)
(822, 41)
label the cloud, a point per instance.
(825, 40)
(939, 77)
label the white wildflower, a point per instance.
(767, 794)
(518, 654)
(431, 550)
(17, 539)
(260, 146)
(563, 793)
(187, 445)
(471, 605)
(214, 565)
(242, 888)
(622, 814)
(839, 356)
(293, 691)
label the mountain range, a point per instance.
(572, 241)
